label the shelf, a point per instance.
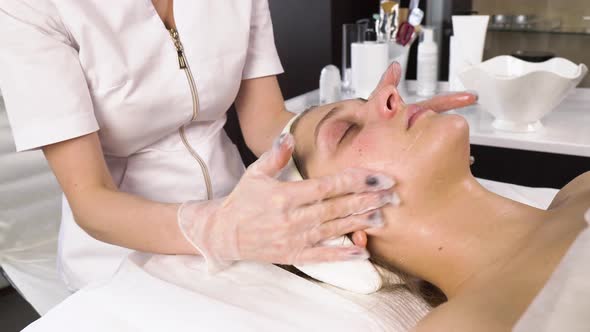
(560, 31)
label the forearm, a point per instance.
(103, 211)
(261, 112)
(130, 221)
(259, 137)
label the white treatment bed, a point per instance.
(155, 293)
(174, 290)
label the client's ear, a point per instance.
(391, 77)
(359, 238)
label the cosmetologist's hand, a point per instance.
(439, 103)
(267, 220)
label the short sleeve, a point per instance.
(42, 82)
(262, 58)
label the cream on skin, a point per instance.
(449, 230)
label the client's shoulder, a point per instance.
(578, 187)
(463, 314)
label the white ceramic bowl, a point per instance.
(519, 93)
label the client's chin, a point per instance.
(440, 153)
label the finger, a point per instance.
(323, 254)
(391, 77)
(273, 161)
(443, 103)
(359, 238)
(342, 226)
(341, 207)
(349, 181)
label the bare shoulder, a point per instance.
(436, 320)
(578, 186)
(459, 316)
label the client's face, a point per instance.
(423, 151)
(412, 145)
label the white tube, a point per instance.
(456, 62)
(369, 61)
(469, 33)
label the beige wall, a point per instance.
(574, 47)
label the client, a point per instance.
(489, 255)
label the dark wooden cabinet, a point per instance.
(308, 36)
(527, 168)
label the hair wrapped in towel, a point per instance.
(359, 276)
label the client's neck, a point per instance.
(455, 235)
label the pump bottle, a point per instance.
(427, 64)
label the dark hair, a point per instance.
(425, 290)
(422, 288)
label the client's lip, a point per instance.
(413, 113)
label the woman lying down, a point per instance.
(490, 256)
(486, 257)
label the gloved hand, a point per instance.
(266, 220)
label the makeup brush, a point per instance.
(388, 8)
(377, 19)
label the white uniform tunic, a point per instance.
(71, 67)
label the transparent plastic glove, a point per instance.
(266, 220)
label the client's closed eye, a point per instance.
(348, 133)
(333, 133)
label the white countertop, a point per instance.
(566, 129)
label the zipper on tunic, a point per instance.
(183, 65)
(179, 48)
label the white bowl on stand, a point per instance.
(519, 93)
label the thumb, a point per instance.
(273, 161)
(391, 76)
(359, 238)
(447, 102)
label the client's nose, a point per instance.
(385, 103)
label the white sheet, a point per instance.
(247, 297)
(30, 201)
(174, 293)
